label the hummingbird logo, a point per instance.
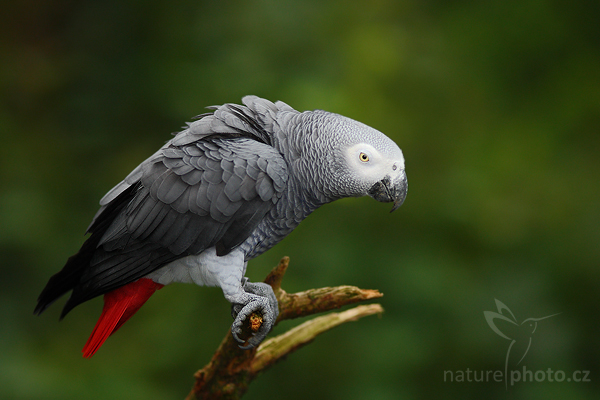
(520, 335)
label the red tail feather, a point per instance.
(119, 306)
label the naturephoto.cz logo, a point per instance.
(520, 337)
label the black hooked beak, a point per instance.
(388, 191)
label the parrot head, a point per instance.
(381, 169)
(362, 161)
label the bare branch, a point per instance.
(272, 350)
(231, 369)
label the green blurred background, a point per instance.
(496, 105)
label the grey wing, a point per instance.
(187, 198)
(252, 120)
(208, 193)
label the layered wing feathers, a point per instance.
(211, 185)
(190, 197)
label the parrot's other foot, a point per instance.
(256, 298)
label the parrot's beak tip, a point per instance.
(400, 190)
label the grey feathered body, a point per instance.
(231, 180)
(273, 179)
(266, 180)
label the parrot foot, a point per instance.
(256, 298)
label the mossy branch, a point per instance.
(231, 370)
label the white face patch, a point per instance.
(372, 165)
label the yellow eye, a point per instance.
(363, 157)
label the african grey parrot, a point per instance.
(224, 190)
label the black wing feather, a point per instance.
(65, 280)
